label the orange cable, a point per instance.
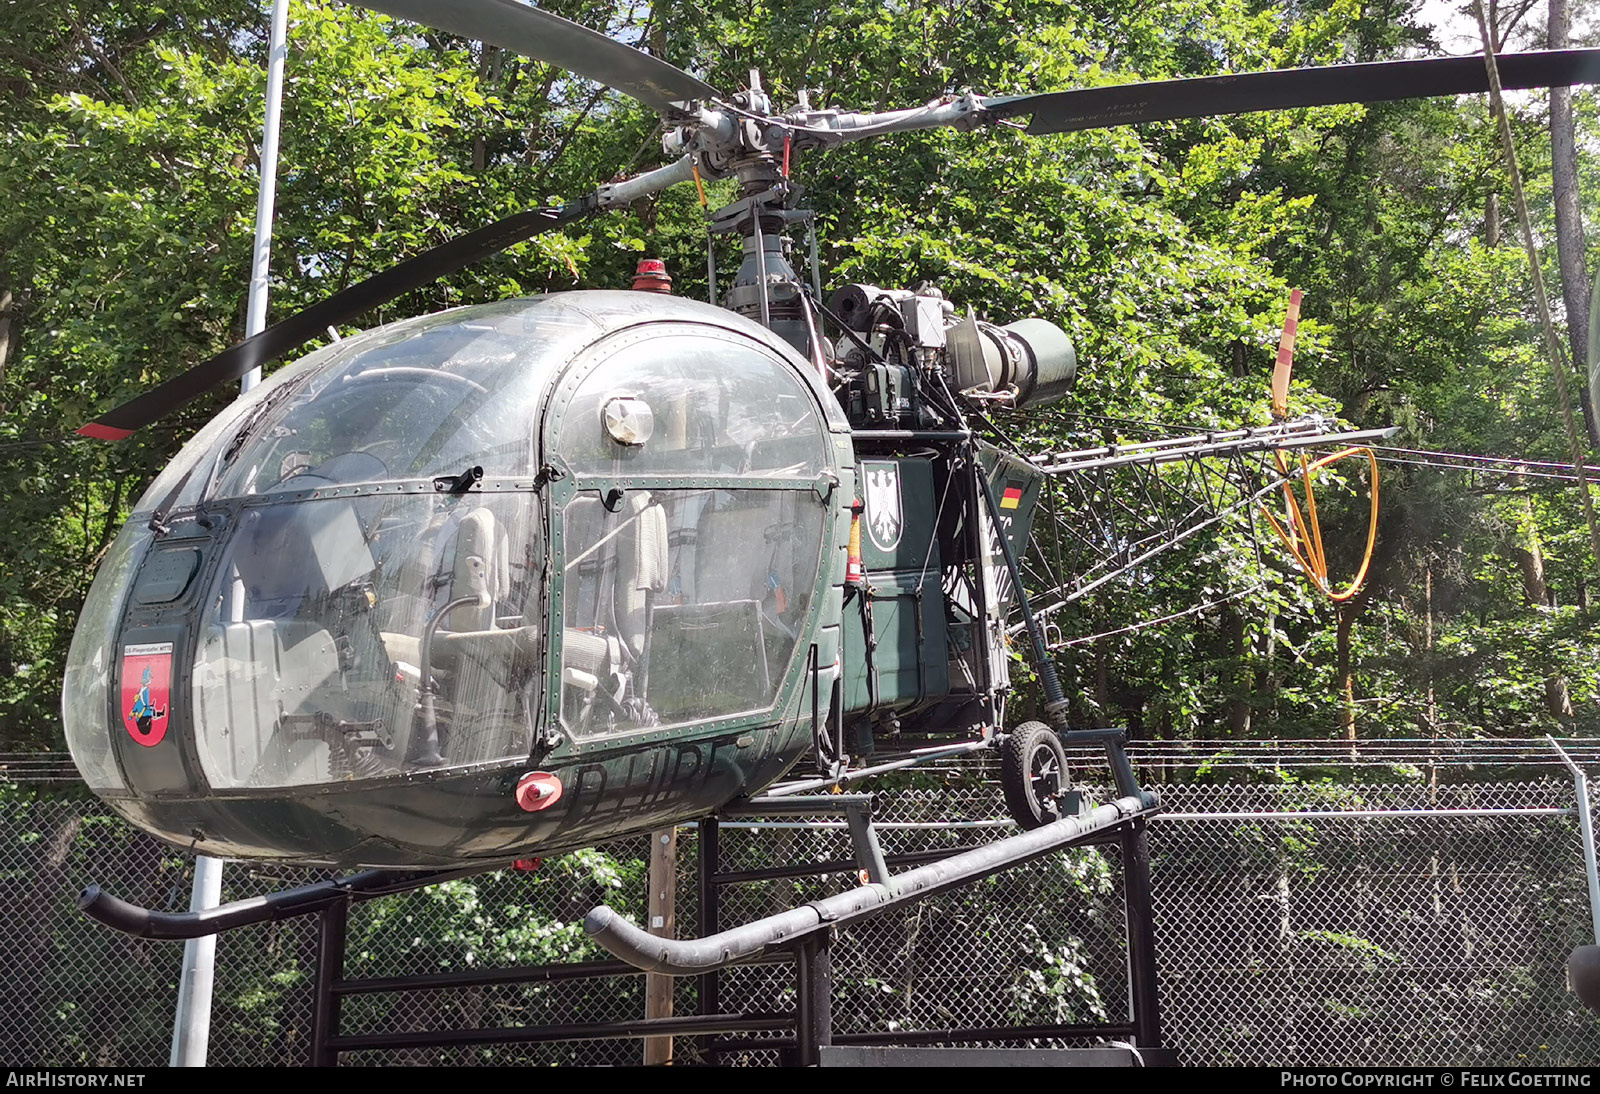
(694, 169)
(1305, 526)
(1303, 536)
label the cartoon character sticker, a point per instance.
(146, 691)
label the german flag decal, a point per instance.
(1012, 497)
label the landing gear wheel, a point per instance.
(1033, 772)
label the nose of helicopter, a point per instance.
(429, 560)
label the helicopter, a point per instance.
(515, 578)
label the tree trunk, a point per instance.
(5, 330)
(489, 65)
(1236, 678)
(1266, 679)
(1347, 613)
(1569, 221)
(1530, 559)
(1430, 709)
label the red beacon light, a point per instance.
(651, 276)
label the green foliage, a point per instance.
(128, 157)
(129, 165)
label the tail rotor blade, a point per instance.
(1383, 81)
(341, 307)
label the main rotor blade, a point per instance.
(1383, 81)
(341, 307)
(545, 37)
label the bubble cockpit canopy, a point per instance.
(375, 563)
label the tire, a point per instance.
(1033, 773)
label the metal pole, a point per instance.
(1143, 984)
(331, 926)
(191, 1027)
(813, 962)
(710, 923)
(266, 197)
(1580, 786)
(1055, 700)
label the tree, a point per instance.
(1570, 249)
(127, 154)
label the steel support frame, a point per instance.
(813, 999)
(813, 958)
(1112, 526)
(801, 1034)
(332, 922)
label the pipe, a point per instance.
(131, 919)
(683, 1025)
(795, 807)
(1580, 787)
(692, 956)
(860, 435)
(429, 754)
(860, 773)
(191, 1021)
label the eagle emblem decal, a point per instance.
(884, 516)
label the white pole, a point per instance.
(256, 310)
(191, 1029)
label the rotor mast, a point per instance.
(744, 140)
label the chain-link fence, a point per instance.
(1390, 924)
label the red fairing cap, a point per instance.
(538, 790)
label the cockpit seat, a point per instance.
(625, 563)
(442, 564)
(253, 675)
(463, 553)
(479, 556)
(621, 562)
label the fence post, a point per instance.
(332, 923)
(1142, 981)
(813, 961)
(1580, 785)
(662, 911)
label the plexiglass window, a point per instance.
(85, 692)
(682, 605)
(433, 397)
(354, 637)
(715, 404)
